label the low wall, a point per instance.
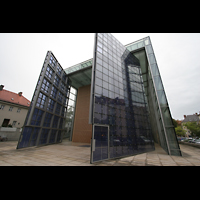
(190, 144)
(8, 129)
(11, 133)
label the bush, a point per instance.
(179, 131)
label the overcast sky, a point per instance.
(177, 55)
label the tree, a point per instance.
(175, 123)
(194, 128)
(180, 131)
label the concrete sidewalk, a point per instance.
(78, 154)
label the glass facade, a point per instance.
(47, 112)
(101, 143)
(69, 120)
(77, 67)
(128, 104)
(160, 118)
(118, 101)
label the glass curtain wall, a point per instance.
(118, 102)
(69, 119)
(161, 120)
(44, 121)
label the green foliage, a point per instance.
(175, 123)
(194, 128)
(180, 131)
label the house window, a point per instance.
(10, 109)
(14, 122)
(18, 110)
(5, 122)
(2, 107)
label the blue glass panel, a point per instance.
(51, 105)
(43, 136)
(25, 137)
(52, 136)
(97, 118)
(97, 108)
(47, 120)
(55, 121)
(59, 136)
(97, 154)
(54, 92)
(34, 136)
(36, 118)
(61, 123)
(58, 107)
(53, 86)
(123, 96)
(101, 143)
(49, 73)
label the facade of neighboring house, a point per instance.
(190, 118)
(13, 108)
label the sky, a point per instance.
(22, 56)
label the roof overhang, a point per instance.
(81, 77)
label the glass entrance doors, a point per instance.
(100, 145)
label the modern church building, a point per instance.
(115, 101)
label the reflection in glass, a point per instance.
(122, 97)
(45, 111)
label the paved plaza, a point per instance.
(78, 154)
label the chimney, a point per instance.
(1, 87)
(20, 94)
(184, 116)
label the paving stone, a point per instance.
(71, 154)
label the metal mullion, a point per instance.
(51, 123)
(47, 100)
(35, 96)
(92, 99)
(38, 87)
(72, 123)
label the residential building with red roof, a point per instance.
(13, 108)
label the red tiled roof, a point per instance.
(6, 95)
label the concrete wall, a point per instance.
(11, 133)
(82, 131)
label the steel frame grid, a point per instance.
(93, 143)
(164, 138)
(57, 71)
(92, 100)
